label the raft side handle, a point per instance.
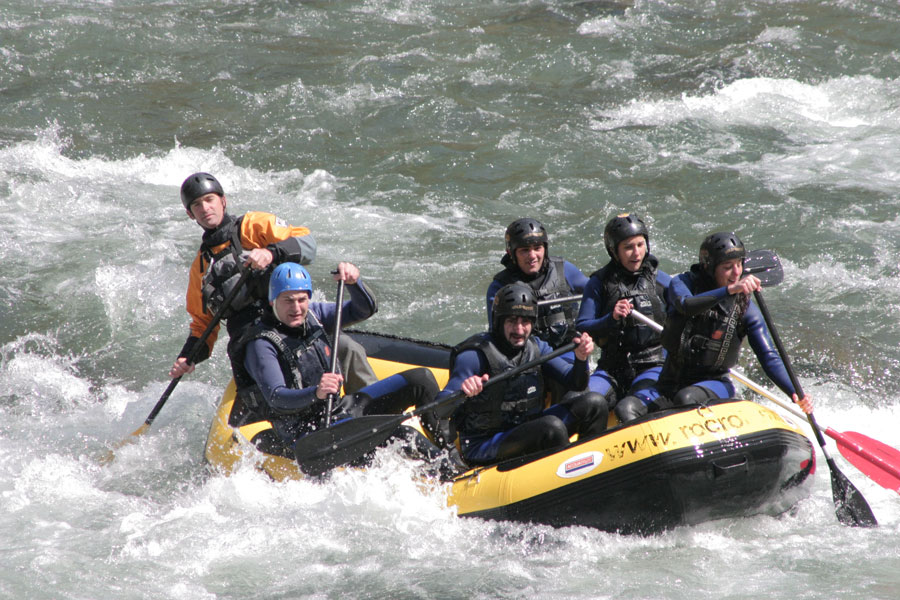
(731, 467)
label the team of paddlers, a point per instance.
(288, 371)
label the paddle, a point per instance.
(562, 300)
(338, 305)
(194, 352)
(851, 507)
(347, 440)
(877, 460)
(766, 266)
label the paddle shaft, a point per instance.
(850, 506)
(338, 306)
(562, 300)
(843, 440)
(347, 440)
(496, 379)
(198, 345)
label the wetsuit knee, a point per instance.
(543, 433)
(423, 382)
(554, 432)
(591, 413)
(693, 395)
(630, 408)
(393, 395)
(643, 384)
(610, 399)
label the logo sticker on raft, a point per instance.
(579, 465)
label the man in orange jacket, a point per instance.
(256, 240)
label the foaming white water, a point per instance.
(776, 35)
(181, 532)
(837, 132)
(793, 105)
(407, 150)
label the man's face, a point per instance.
(631, 252)
(291, 307)
(530, 259)
(516, 330)
(728, 272)
(208, 210)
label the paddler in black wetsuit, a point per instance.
(527, 261)
(509, 418)
(631, 352)
(711, 312)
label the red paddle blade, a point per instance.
(880, 462)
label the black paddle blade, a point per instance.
(766, 265)
(344, 442)
(850, 506)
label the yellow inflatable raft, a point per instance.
(731, 458)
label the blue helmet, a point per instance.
(289, 277)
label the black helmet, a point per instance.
(719, 247)
(621, 228)
(199, 184)
(514, 300)
(525, 232)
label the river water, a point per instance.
(407, 135)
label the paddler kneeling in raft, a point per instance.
(631, 355)
(284, 373)
(509, 419)
(710, 314)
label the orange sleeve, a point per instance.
(259, 229)
(200, 320)
(286, 242)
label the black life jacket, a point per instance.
(708, 344)
(506, 404)
(223, 273)
(556, 322)
(303, 360)
(635, 346)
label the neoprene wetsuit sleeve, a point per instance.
(591, 302)
(468, 363)
(682, 299)
(573, 375)
(301, 250)
(492, 290)
(261, 361)
(359, 307)
(693, 305)
(574, 277)
(202, 355)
